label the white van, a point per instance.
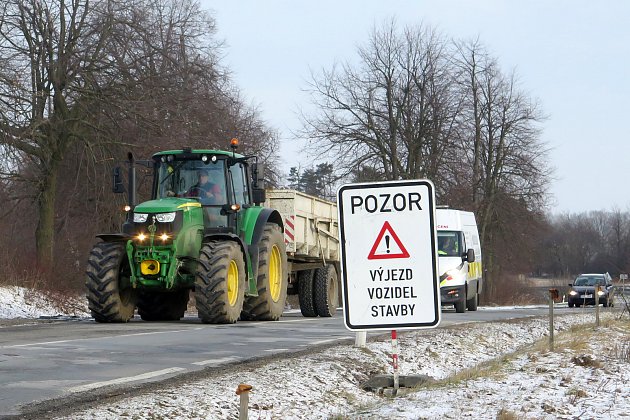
(459, 259)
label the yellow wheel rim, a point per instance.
(275, 274)
(232, 283)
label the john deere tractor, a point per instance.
(204, 230)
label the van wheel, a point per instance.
(306, 294)
(471, 304)
(571, 304)
(460, 306)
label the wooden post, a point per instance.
(553, 294)
(243, 391)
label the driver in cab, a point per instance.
(204, 189)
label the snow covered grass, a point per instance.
(19, 302)
(481, 371)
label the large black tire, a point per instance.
(109, 293)
(169, 306)
(220, 282)
(326, 291)
(460, 306)
(272, 281)
(471, 304)
(306, 293)
(570, 304)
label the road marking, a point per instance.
(330, 340)
(119, 381)
(278, 350)
(97, 338)
(217, 361)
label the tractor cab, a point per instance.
(217, 180)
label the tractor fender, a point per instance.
(113, 237)
(266, 215)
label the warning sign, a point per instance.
(387, 245)
(389, 255)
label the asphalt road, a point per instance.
(73, 358)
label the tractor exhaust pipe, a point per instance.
(132, 180)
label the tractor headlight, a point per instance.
(166, 217)
(140, 217)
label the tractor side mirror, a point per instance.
(469, 256)
(118, 186)
(258, 190)
(258, 172)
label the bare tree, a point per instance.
(394, 112)
(81, 80)
(500, 142)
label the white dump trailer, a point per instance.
(311, 237)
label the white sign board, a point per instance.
(623, 277)
(389, 255)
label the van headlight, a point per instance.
(166, 217)
(601, 293)
(573, 293)
(140, 217)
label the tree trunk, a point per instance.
(45, 232)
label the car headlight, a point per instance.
(573, 293)
(165, 217)
(140, 217)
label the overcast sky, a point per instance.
(573, 56)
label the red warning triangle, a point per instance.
(384, 249)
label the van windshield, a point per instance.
(448, 244)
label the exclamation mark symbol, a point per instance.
(387, 242)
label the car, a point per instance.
(583, 290)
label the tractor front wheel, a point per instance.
(272, 281)
(220, 282)
(110, 295)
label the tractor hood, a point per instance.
(165, 205)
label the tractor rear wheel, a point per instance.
(168, 306)
(110, 295)
(272, 281)
(220, 282)
(306, 293)
(326, 291)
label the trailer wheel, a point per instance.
(272, 281)
(326, 291)
(163, 306)
(306, 293)
(220, 282)
(109, 293)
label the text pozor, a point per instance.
(385, 203)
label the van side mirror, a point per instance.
(118, 186)
(469, 256)
(570, 284)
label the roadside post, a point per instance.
(243, 391)
(389, 259)
(597, 288)
(553, 295)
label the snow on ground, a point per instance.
(588, 376)
(19, 302)
(500, 368)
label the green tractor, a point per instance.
(204, 230)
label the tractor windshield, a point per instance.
(192, 178)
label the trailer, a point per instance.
(312, 246)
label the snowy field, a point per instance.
(482, 371)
